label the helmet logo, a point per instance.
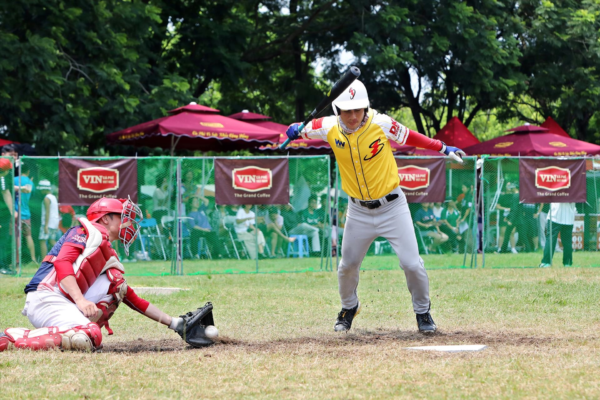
(352, 93)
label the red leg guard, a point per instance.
(38, 339)
(84, 337)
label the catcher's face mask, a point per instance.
(130, 223)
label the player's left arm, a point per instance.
(404, 136)
(144, 307)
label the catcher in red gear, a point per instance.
(80, 284)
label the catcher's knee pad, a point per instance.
(83, 337)
(37, 339)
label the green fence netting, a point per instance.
(185, 232)
(452, 241)
(516, 233)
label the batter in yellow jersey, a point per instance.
(360, 138)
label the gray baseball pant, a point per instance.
(392, 221)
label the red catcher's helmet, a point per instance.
(104, 206)
(131, 215)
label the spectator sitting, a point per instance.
(426, 222)
(274, 222)
(449, 221)
(290, 218)
(49, 225)
(199, 227)
(311, 224)
(190, 189)
(24, 187)
(437, 210)
(247, 231)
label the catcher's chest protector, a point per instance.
(95, 257)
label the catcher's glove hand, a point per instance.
(191, 327)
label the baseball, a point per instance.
(211, 332)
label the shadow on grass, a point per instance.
(351, 340)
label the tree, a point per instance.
(441, 59)
(70, 73)
(561, 59)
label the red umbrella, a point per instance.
(313, 146)
(554, 127)
(246, 115)
(4, 142)
(527, 128)
(531, 140)
(195, 127)
(455, 133)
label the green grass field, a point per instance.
(277, 341)
(371, 263)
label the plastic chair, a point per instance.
(169, 223)
(148, 236)
(228, 223)
(299, 248)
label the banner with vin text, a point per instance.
(423, 180)
(82, 182)
(262, 181)
(552, 181)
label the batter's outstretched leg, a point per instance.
(396, 225)
(359, 233)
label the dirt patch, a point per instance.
(345, 341)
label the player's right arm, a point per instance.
(69, 284)
(66, 276)
(316, 129)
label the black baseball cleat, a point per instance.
(345, 317)
(426, 324)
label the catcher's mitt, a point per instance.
(191, 327)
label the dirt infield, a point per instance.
(318, 345)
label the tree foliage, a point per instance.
(73, 71)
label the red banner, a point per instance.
(81, 182)
(552, 181)
(264, 181)
(423, 180)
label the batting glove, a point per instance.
(453, 152)
(293, 132)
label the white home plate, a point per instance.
(450, 349)
(157, 290)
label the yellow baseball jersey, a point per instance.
(365, 157)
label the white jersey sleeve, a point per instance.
(392, 129)
(319, 128)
